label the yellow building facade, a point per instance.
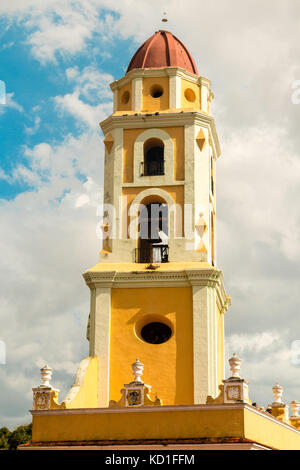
(156, 292)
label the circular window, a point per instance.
(190, 95)
(156, 333)
(156, 91)
(125, 97)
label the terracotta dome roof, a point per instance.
(162, 49)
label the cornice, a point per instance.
(143, 409)
(154, 184)
(160, 72)
(99, 279)
(200, 277)
(209, 277)
(163, 119)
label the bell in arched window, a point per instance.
(154, 161)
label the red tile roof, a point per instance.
(162, 49)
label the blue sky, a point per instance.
(57, 58)
(34, 117)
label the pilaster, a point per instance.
(116, 97)
(174, 92)
(137, 93)
(204, 343)
(100, 338)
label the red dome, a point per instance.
(162, 49)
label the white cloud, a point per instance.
(89, 85)
(266, 359)
(260, 179)
(8, 45)
(3, 176)
(69, 35)
(65, 27)
(82, 200)
(32, 130)
(10, 103)
(49, 238)
(84, 113)
(60, 27)
(251, 343)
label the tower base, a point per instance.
(194, 427)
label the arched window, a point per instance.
(153, 234)
(153, 157)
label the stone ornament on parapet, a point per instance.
(235, 365)
(136, 393)
(277, 392)
(45, 396)
(235, 387)
(137, 368)
(295, 418)
(46, 375)
(295, 405)
(41, 394)
(279, 409)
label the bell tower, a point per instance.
(157, 293)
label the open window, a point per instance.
(153, 158)
(153, 243)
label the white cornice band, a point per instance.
(160, 72)
(181, 278)
(163, 119)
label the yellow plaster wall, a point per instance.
(184, 424)
(155, 104)
(87, 395)
(142, 425)
(129, 138)
(263, 430)
(185, 84)
(124, 106)
(167, 369)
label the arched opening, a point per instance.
(153, 157)
(153, 242)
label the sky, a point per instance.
(57, 59)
